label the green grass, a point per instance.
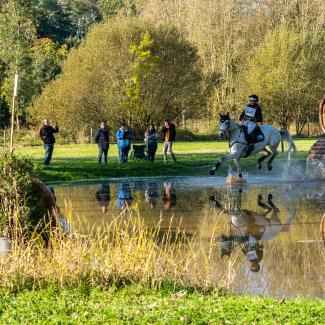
(137, 305)
(78, 162)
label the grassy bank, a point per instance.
(137, 305)
(77, 162)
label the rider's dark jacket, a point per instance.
(257, 116)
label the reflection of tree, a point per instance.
(103, 196)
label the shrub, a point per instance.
(22, 204)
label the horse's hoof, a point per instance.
(240, 175)
(259, 166)
(212, 172)
(269, 168)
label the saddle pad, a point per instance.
(258, 135)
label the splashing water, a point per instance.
(315, 169)
(233, 179)
(292, 170)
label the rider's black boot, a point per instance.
(250, 149)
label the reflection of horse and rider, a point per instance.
(249, 138)
(247, 228)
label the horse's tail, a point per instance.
(285, 135)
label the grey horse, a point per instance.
(239, 146)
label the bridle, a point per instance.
(228, 131)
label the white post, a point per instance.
(91, 135)
(13, 114)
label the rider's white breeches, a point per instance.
(250, 126)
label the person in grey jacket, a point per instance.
(102, 140)
(150, 139)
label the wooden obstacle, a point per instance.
(317, 151)
(322, 229)
(233, 180)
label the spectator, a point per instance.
(46, 134)
(124, 137)
(169, 136)
(102, 140)
(150, 139)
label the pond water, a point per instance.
(273, 226)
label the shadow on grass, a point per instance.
(187, 165)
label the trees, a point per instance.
(16, 36)
(287, 72)
(227, 34)
(126, 69)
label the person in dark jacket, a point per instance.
(102, 140)
(150, 139)
(47, 135)
(169, 136)
(251, 115)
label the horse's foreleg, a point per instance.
(217, 165)
(262, 158)
(222, 160)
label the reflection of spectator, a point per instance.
(124, 137)
(150, 139)
(169, 198)
(102, 140)
(151, 194)
(124, 198)
(103, 196)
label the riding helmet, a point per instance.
(253, 97)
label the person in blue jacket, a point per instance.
(124, 137)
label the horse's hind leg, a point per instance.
(262, 158)
(261, 204)
(271, 204)
(274, 154)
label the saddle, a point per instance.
(256, 136)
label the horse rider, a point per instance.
(251, 115)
